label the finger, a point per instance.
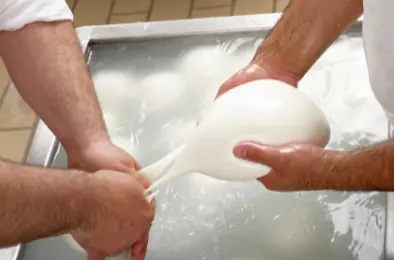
(268, 155)
(93, 255)
(250, 73)
(234, 81)
(130, 162)
(137, 165)
(140, 247)
(141, 179)
(142, 254)
(153, 203)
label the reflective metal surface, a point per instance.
(201, 218)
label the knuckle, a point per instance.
(253, 154)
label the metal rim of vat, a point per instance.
(44, 145)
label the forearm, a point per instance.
(369, 168)
(48, 68)
(39, 202)
(306, 29)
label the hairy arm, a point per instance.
(305, 30)
(48, 68)
(368, 168)
(39, 202)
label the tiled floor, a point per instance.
(17, 120)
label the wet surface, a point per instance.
(153, 93)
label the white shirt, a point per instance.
(15, 14)
(378, 34)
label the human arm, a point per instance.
(48, 68)
(41, 202)
(305, 30)
(306, 167)
(302, 34)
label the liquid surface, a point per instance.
(199, 218)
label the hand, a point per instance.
(294, 167)
(255, 72)
(117, 217)
(105, 155)
(102, 155)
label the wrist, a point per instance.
(276, 68)
(87, 202)
(332, 172)
(74, 146)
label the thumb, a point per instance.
(250, 73)
(268, 155)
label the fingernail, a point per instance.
(240, 150)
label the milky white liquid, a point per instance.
(206, 67)
(114, 90)
(160, 91)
